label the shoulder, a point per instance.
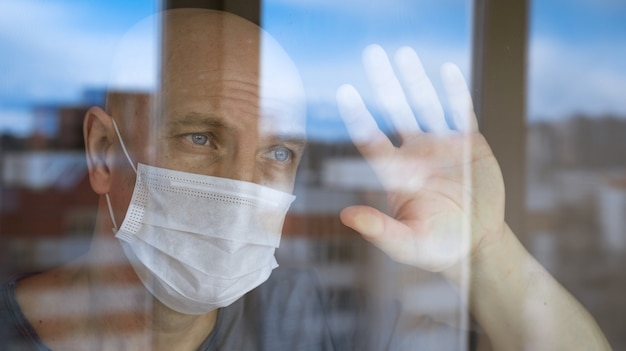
(16, 332)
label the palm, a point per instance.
(444, 188)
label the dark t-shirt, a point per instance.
(285, 313)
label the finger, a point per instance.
(362, 127)
(379, 229)
(420, 91)
(459, 98)
(389, 91)
(432, 249)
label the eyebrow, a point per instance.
(295, 140)
(196, 118)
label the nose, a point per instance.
(241, 165)
(245, 171)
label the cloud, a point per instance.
(55, 50)
(566, 79)
(323, 75)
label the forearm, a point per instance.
(522, 307)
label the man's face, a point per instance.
(229, 105)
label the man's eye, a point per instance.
(280, 154)
(198, 139)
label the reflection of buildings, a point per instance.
(47, 211)
(569, 161)
(575, 202)
(576, 193)
(612, 214)
(576, 199)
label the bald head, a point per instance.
(203, 55)
(215, 57)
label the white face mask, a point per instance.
(198, 242)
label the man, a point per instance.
(224, 135)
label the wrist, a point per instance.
(490, 258)
(493, 248)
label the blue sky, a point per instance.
(577, 58)
(52, 50)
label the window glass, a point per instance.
(58, 64)
(576, 155)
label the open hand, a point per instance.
(444, 187)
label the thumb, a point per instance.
(364, 219)
(375, 226)
(431, 251)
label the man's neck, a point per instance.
(171, 329)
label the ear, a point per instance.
(99, 138)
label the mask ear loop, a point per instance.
(115, 229)
(108, 198)
(119, 136)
